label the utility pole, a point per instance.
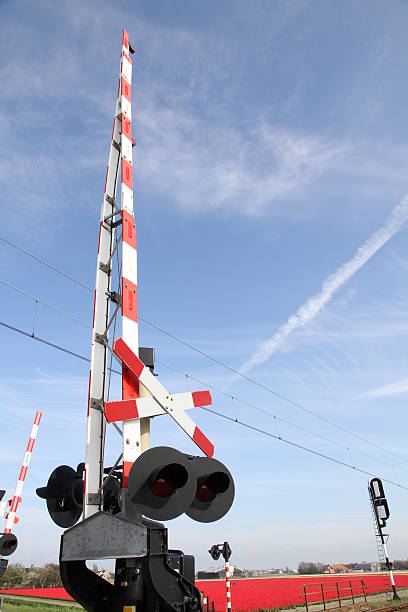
(112, 512)
(381, 514)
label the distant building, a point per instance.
(209, 575)
(336, 568)
(376, 567)
(362, 567)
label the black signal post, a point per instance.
(381, 515)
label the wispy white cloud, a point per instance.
(395, 388)
(204, 166)
(311, 308)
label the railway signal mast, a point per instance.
(121, 504)
(216, 551)
(8, 510)
(381, 514)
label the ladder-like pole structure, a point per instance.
(121, 510)
(112, 216)
(381, 541)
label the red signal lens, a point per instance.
(168, 479)
(205, 493)
(162, 487)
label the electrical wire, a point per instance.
(305, 448)
(37, 300)
(281, 419)
(232, 397)
(269, 390)
(233, 420)
(220, 363)
(45, 263)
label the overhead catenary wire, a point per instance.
(302, 447)
(232, 397)
(37, 300)
(278, 418)
(220, 363)
(45, 263)
(275, 393)
(209, 410)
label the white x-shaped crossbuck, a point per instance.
(160, 402)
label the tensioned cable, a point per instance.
(45, 263)
(305, 448)
(269, 390)
(39, 301)
(218, 362)
(281, 419)
(233, 397)
(236, 420)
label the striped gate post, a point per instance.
(228, 585)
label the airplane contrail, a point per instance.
(308, 311)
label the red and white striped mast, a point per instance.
(139, 402)
(114, 506)
(120, 155)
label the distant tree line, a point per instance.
(399, 564)
(308, 567)
(18, 576)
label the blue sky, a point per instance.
(271, 145)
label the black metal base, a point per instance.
(163, 580)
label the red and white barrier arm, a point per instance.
(11, 517)
(130, 327)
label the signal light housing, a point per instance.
(64, 495)
(380, 503)
(160, 483)
(163, 483)
(8, 544)
(215, 490)
(215, 552)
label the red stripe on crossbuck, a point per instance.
(203, 442)
(201, 398)
(121, 410)
(135, 365)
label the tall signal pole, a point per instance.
(121, 504)
(381, 513)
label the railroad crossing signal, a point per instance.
(380, 502)
(120, 504)
(220, 549)
(165, 483)
(381, 514)
(216, 551)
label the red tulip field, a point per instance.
(266, 593)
